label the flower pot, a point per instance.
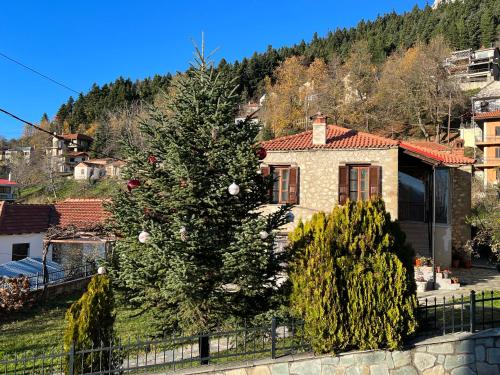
(418, 262)
(438, 269)
(455, 263)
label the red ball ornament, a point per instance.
(262, 153)
(132, 184)
(152, 159)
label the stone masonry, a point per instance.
(447, 355)
(319, 176)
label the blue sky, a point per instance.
(82, 42)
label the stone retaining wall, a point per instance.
(462, 354)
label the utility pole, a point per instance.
(449, 117)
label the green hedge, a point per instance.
(352, 279)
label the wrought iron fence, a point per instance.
(67, 274)
(168, 353)
(477, 311)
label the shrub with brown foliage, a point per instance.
(14, 294)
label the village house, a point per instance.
(8, 155)
(23, 228)
(489, 143)
(95, 169)
(67, 151)
(318, 169)
(8, 189)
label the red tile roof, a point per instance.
(82, 213)
(486, 115)
(437, 152)
(337, 138)
(7, 182)
(343, 138)
(24, 218)
(36, 218)
(71, 136)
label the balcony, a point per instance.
(488, 163)
(488, 141)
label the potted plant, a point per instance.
(438, 269)
(446, 274)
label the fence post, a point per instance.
(273, 338)
(204, 347)
(71, 362)
(472, 311)
(37, 275)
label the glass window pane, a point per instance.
(364, 195)
(276, 186)
(442, 192)
(364, 179)
(353, 195)
(411, 201)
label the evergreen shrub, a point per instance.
(352, 279)
(89, 324)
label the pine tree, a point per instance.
(205, 261)
(488, 28)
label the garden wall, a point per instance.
(462, 354)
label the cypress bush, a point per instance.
(352, 279)
(89, 324)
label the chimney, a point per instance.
(319, 129)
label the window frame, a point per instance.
(497, 152)
(497, 131)
(358, 191)
(279, 184)
(25, 245)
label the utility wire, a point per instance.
(52, 134)
(37, 72)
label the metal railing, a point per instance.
(168, 353)
(71, 273)
(477, 311)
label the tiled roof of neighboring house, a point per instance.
(75, 153)
(24, 218)
(438, 152)
(82, 213)
(7, 182)
(337, 138)
(343, 138)
(71, 136)
(486, 115)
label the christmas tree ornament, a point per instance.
(152, 159)
(183, 183)
(290, 217)
(263, 235)
(144, 237)
(261, 153)
(233, 189)
(102, 270)
(133, 184)
(184, 233)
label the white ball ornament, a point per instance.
(101, 270)
(233, 189)
(144, 237)
(263, 235)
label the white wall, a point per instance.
(78, 173)
(34, 239)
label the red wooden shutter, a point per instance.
(266, 171)
(293, 185)
(343, 184)
(375, 181)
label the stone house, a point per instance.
(318, 169)
(67, 151)
(94, 169)
(489, 143)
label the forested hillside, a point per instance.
(464, 24)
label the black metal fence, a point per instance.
(477, 311)
(168, 353)
(67, 274)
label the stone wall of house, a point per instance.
(448, 355)
(461, 205)
(319, 175)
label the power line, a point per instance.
(37, 72)
(50, 133)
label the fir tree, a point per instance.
(206, 260)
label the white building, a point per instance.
(95, 169)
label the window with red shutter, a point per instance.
(359, 182)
